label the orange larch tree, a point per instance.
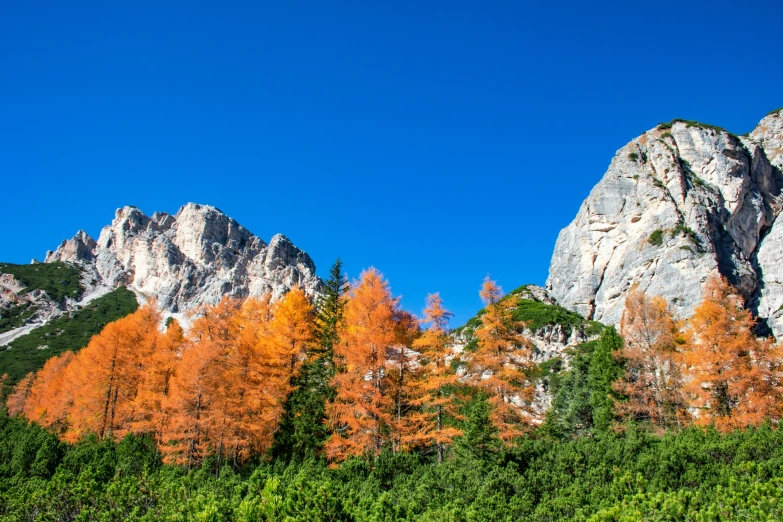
(402, 371)
(500, 364)
(107, 373)
(18, 397)
(291, 332)
(149, 404)
(652, 380)
(732, 379)
(362, 411)
(434, 391)
(234, 376)
(205, 393)
(50, 398)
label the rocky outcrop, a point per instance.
(677, 204)
(194, 257)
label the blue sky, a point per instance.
(437, 141)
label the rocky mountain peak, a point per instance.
(680, 202)
(196, 256)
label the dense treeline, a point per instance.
(382, 378)
(352, 409)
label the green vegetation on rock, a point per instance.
(656, 238)
(15, 316)
(69, 332)
(693, 123)
(59, 280)
(536, 315)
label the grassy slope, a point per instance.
(65, 333)
(58, 280)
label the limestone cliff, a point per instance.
(197, 256)
(679, 203)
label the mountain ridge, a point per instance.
(193, 257)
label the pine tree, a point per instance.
(479, 439)
(604, 370)
(330, 309)
(303, 429)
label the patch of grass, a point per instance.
(684, 230)
(536, 315)
(667, 135)
(636, 176)
(59, 280)
(15, 316)
(656, 238)
(775, 111)
(633, 156)
(658, 183)
(24, 355)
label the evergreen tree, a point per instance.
(303, 429)
(604, 370)
(330, 309)
(479, 438)
(571, 413)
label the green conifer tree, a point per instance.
(303, 430)
(479, 438)
(604, 369)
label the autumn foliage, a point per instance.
(374, 368)
(501, 364)
(224, 386)
(653, 378)
(733, 379)
(710, 370)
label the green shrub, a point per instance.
(633, 156)
(656, 238)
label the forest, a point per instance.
(351, 408)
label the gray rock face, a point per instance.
(197, 256)
(768, 297)
(676, 205)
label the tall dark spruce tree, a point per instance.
(303, 430)
(604, 370)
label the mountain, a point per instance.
(680, 202)
(184, 260)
